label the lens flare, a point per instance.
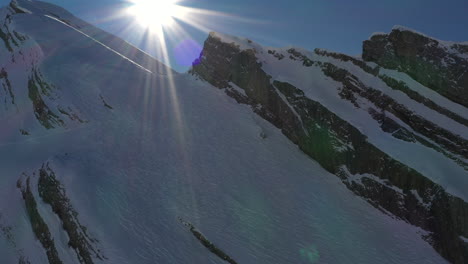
(155, 13)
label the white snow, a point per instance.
(243, 43)
(100, 43)
(401, 98)
(378, 34)
(357, 178)
(237, 88)
(312, 81)
(426, 92)
(404, 28)
(175, 146)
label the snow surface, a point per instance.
(175, 146)
(427, 161)
(427, 92)
(378, 34)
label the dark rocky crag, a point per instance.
(51, 191)
(40, 228)
(441, 66)
(339, 147)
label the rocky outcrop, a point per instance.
(207, 243)
(352, 87)
(230, 65)
(394, 84)
(341, 148)
(10, 38)
(40, 228)
(53, 193)
(7, 89)
(37, 89)
(439, 65)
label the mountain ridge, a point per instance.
(103, 159)
(252, 68)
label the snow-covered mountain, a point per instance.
(257, 155)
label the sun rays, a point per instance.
(165, 30)
(158, 25)
(155, 14)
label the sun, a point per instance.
(155, 14)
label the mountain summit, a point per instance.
(256, 155)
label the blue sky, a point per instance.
(339, 25)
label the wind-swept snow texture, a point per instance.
(399, 144)
(136, 147)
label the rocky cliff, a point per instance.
(286, 87)
(439, 65)
(108, 156)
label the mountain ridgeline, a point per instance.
(256, 155)
(260, 77)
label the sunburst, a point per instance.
(155, 14)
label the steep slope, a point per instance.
(106, 159)
(391, 141)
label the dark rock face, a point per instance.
(230, 65)
(341, 148)
(6, 85)
(352, 86)
(52, 192)
(36, 90)
(207, 243)
(395, 84)
(40, 228)
(435, 64)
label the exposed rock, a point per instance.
(440, 135)
(401, 86)
(53, 193)
(343, 57)
(436, 64)
(105, 103)
(341, 148)
(394, 84)
(6, 84)
(206, 243)
(37, 89)
(229, 64)
(40, 228)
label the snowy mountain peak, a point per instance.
(439, 65)
(366, 116)
(108, 156)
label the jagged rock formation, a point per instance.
(50, 190)
(239, 68)
(439, 65)
(131, 145)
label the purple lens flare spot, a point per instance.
(187, 53)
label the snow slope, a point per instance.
(320, 88)
(155, 147)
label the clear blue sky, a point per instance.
(339, 25)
